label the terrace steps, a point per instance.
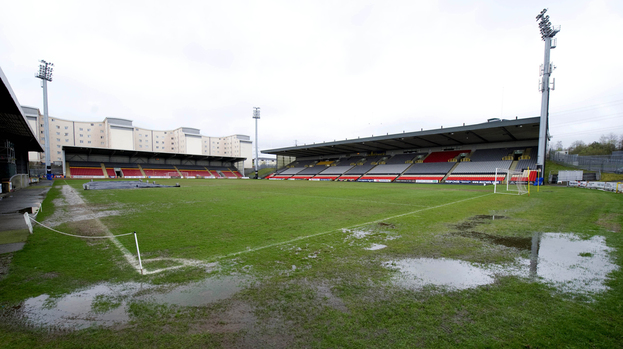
(141, 169)
(449, 172)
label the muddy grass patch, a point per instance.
(610, 222)
(5, 263)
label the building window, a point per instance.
(58, 133)
(88, 130)
(66, 134)
(89, 142)
(92, 124)
(67, 140)
(81, 135)
(156, 136)
(101, 131)
(81, 141)
(58, 139)
(58, 146)
(57, 125)
(140, 141)
(66, 127)
(140, 146)
(102, 137)
(88, 136)
(100, 124)
(157, 147)
(102, 143)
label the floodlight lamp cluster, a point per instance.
(256, 112)
(547, 31)
(45, 70)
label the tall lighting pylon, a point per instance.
(45, 74)
(547, 34)
(256, 116)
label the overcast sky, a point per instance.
(319, 70)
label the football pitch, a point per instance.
(321, 264)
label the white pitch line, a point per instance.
(351, 227)
(72, 195)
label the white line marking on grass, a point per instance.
(351, 227)
(72, 197)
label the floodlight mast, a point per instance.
(45, 74)
(547, 34)
(256, 116)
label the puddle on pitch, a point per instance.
(357, 234)
(375, 247)
(201, 293)
(564, 260)
(419, 272)
(108, 304)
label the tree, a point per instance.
(576, 147)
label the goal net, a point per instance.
(514, 182)
(173, 175)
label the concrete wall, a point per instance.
(121, 138)
(193, 144)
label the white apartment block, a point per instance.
(116, 133)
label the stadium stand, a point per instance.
(189, 171)
(432, 172)
(355, 172)
(331, 173)
(481, 167)
(125, 170)
(491, 154)
(308, 172)
(525, 164)
(224, 172)
(478, 172)
(86, 170)
(359, 170)
(302, 163)
(159, 170)
(384, 173)
(400, 159)
(444, 156)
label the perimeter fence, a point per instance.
(601, 163)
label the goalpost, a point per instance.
(515, 182)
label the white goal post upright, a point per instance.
(514, 182)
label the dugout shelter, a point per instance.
(16, 139)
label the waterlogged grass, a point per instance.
(315, 283)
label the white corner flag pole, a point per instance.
(140, 264)
(27, 218)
